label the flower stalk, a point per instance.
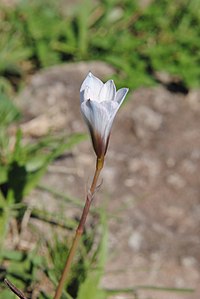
(80, 228)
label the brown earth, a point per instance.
(151, 182)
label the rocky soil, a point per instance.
(151, 182)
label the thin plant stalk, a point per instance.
(80, 228)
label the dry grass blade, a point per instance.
(14, 289)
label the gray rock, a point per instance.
(146, 121)
(193, 100)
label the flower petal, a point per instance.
(111, 107)
(96, 115)
(120, 96)
(104, 124)
(108, 91)
(94, 85)
(114, 110)
(97, 119)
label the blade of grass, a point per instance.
(146, 287)
(53, 219)
(75, 201)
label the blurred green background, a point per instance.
(138, 40)
(142, 42)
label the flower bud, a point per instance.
(99, 105)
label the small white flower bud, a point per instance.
(99, 105)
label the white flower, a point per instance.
(99, 105)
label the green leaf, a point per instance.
(4, 221)
(82, 20)
(12, 255)
(33, 178)
(90, 288)
(9, 112)
(7, 294)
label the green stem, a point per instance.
(80, 228)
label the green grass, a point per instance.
(137, 41)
